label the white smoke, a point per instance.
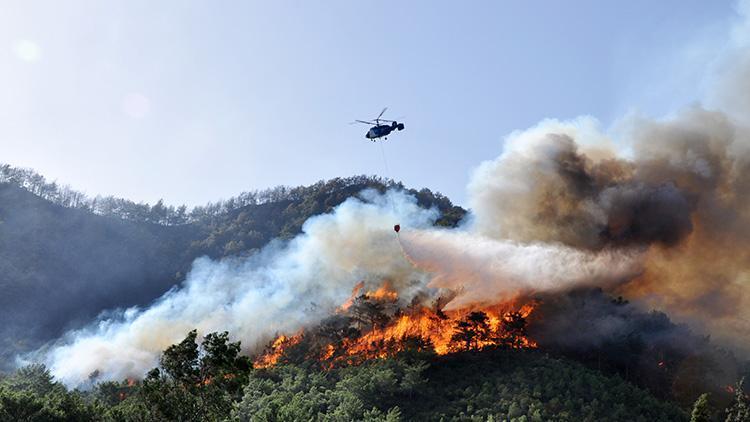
(280, 289)
(487, 271)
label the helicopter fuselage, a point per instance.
(378, 131)
(381, 131)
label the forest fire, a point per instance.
(445, 332)
(375, 325)
(277, 348)
(210, 380)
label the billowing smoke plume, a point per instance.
(546, 188)
(678, 188)
(485, 271)
(281, 289)
(661, 215)
(681, 196)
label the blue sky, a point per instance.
(196, 101)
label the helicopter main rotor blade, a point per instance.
(362, 121)
(381, 113)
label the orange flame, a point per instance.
(498, 325)
(276, 350)
(355, 292)
(384, 293)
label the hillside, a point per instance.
(62, 265)
(62, 262)
(212, 382)
(490, 385)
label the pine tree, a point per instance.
(472, 332)
(740, 410)
(701, 409)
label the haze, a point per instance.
(197, 101)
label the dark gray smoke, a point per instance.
(594, 204)
(677, 189)
(644, 347)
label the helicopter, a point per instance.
(379, 130)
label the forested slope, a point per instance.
(61, 266)
(63, 260)
(499, 385)
(211, 382)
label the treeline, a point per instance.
(210, 380)
(170, 215)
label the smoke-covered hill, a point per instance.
(61, 266)
(64, 261)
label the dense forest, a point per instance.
(484, 377)
(210, 380)
(64, 257)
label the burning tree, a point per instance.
(479, 330)
(513, 333)
(377, 324)
(472, 333)
(368, 313)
